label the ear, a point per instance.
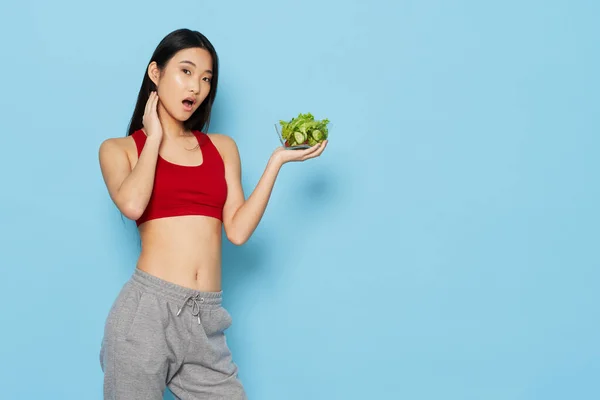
(153, 72)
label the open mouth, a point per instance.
(188, 103)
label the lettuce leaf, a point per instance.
(304, 129)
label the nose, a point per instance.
(195, 88)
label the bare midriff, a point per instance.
(183, 250)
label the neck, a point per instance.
(172, 128)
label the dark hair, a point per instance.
(175, 41)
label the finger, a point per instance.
(148, 102)
(311, 149)
(151, 99)
(318, 151)
(323, 147)
(155, 102)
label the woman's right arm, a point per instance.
(130, 189)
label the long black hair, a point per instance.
(175, 41)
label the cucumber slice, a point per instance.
(300, 137)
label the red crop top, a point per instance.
(186, 190)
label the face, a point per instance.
(184, 83)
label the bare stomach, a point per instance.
(183, 250)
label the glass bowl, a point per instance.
(298, 147)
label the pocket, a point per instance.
(215, 321)
(220, 320)
(227, 319)
(133, 318)
(122, 313)
(123, 295)
(149, 320)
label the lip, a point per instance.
(191, 107)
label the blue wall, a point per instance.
(445, 246)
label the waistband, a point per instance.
(173, 291)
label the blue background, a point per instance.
(445, 246)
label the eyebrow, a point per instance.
(191, 63)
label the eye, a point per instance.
(207, 79)
(185, 71)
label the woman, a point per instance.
(181, 186)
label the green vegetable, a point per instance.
(304, 129)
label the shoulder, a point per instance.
(225, 144)
(220, 139)
(117, 147)
(117, 144)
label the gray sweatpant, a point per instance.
(160, 334)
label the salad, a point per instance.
(304, 130)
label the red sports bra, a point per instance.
(186, 190)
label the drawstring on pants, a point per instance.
(192, 301)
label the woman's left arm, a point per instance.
(241, 216)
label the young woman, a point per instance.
(181, 186)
